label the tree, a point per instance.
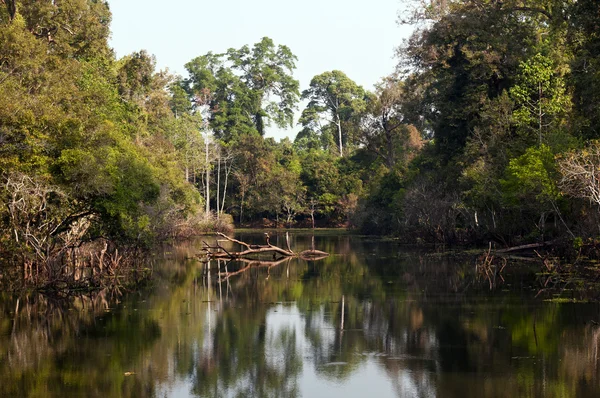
(540, 96)
(250, 88)
(93, 129)
(243, 186)
(184, 133)
(335, 98)
(135, 75)
(226, 158)
(579, 171)
(585, 67)
(467, 56)
(179, 101)
(71, 28)
(477, 67)
(384, 128)
(530, 183)
(267, 70)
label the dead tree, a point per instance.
(218, 251)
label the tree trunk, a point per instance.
(312, 212)
(11, 7)
(207, 177)
(250, 250)
(339, 127)
(242, 209)
(391, 161)
(218, 186)
(540, 114)
(227, 171)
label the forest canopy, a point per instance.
(476, 136)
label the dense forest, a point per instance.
(486, 131)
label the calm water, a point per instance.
(373, 320)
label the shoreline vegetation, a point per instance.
(487, 133)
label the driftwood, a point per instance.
(529, 246)
(219, 251)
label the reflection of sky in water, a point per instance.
(365, 380)
(284, 325)
(176, 389)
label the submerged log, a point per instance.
(219, 251)
(528, 246)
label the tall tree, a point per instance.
(385, 130)
(337, 99)
(540, 96)
(250, 88)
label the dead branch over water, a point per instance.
(218, 251)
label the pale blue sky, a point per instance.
(356, 37)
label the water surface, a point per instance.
(375, 319)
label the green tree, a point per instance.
(246, 88)
(75, 121)
(540, 96)
(531, 183)
(337, 100)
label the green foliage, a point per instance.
(540, 96)
(337, 101)
(464, 142)
(92, 128)
(246, 88)
(491, 85)
(531, 176)
(385, 128)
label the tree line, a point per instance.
(485, 130)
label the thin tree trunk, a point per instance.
(218, 185)
(339, 127)
(242, 209)
(390, 147)
(342, 317)
(540, 114)
(312, 212)
(227, 171)
(11, 7)
(207, 177)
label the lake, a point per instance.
(374, 319)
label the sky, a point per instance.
(356, 37)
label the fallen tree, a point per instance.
(218, 251)
(528, 246)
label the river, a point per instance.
(374, 319)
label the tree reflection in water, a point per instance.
(369, 320)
